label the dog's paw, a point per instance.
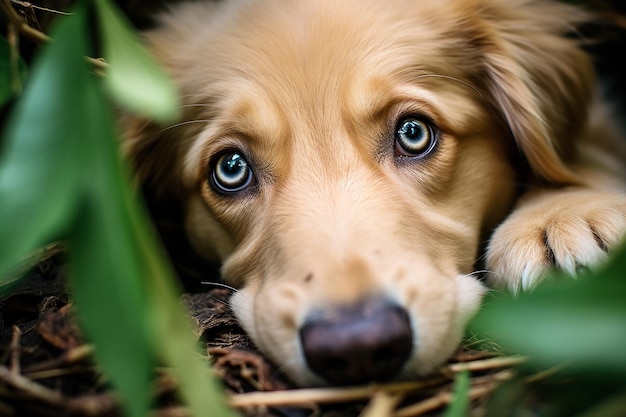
(571, 230)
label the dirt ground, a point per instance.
(46, 368)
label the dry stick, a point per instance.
(14, 58)
(326, 395)
(59, 372)
(23, 27)
(334, 395)
(94, 404)
(382, 404)
(15, 350)
(70, 357)
(44, 9)
(34, 34)
(445, 397)
(486, 364)
(175, 411)
(35, 390)
(541, 375)
(440, 400)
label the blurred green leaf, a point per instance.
(12, 74)
(198, 388)
(578, 322)
(460, 406)
(106, 263)
(133, 77)
(118, 270)
(61, 176)
(41, 166)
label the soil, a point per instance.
(46, 367)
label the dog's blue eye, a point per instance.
(231, 173)
(414, 137)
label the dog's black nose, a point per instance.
(367, 342)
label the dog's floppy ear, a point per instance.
(538, 78)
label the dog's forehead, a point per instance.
(309, 59)
(314, 46)
(288, 71)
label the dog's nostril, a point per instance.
(368, 342)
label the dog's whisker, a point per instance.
(476, 274)
(221, 301)
(196, 105)
(220, 285)
(183, 124)
(448, 77)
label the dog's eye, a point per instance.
(231, 173)
(414, 137)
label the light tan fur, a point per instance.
(309, 91)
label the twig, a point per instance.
(37, 36)
(14, 59)
(94, 404)
(382, 404)
(22, 26)
(531, 379)
(43, 9)
(442, 399)
(326, 395)
(70, 357)
(35, 390)
(15, 350)
(486, 386)
(175, 411)
(59, 372)
(486, 364)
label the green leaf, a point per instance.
(578, 322)
(124, 288)
(106, 264)
(41, 168)
(61, 176)
(197, 387)
(460, 405)
(133, 77)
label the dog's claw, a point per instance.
(568, 230)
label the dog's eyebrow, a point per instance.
(448, 77)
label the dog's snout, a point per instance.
(367, 342)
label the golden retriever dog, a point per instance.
(350, 164)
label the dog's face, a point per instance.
(345, 161)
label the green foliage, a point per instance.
(578, 324)
(61, 177)
(581, 322)
(132, 77)
(41, 169)
(460, 405)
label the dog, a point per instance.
(351, 163)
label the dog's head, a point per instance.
(345, 160)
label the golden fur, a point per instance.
(309, 92)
